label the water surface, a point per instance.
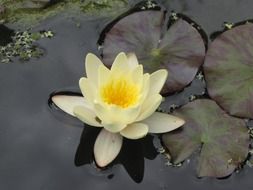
(38, 147)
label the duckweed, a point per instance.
(23, 46)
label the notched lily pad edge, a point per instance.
(169, 19)
(247, 162)
(137, 8)
(174, 16)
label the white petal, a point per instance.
(132, 60)
(135, 131)
(145, 87)
(157, 80)
(107, 147)
(149, 106)
(120, 64)
(87, 116)
(92, 63)
(162, 122)
(116, 116)
(88, 89)
(103, 75)
(137, 76)
(114, 127)
(67, 103)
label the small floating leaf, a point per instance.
(224, 140)
(180, 49)
(229, 70)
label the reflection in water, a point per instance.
(84, 153)
(6, 35)
(131, 156)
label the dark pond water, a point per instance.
(39, 145)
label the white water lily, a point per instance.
(121, 100)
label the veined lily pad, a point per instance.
(229, 70)
(224, 140)
(180, 49)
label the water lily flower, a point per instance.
(122, 101)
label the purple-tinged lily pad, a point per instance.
(222, 139)
(179, 49)
(229, 70)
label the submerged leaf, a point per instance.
(224, 140)
(229, 70)
(180, 49)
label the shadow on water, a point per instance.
(6, 35)
(131, 156)
(84, 153)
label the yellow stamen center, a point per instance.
(120, 92)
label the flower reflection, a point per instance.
(131, 156)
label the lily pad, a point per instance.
(223, 140)
(229, 70)
(179, 49)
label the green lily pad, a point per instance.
(229, 70)
(179, 49)
(223, 140)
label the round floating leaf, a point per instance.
(180, 49)
(229, 70)
(224, 140)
